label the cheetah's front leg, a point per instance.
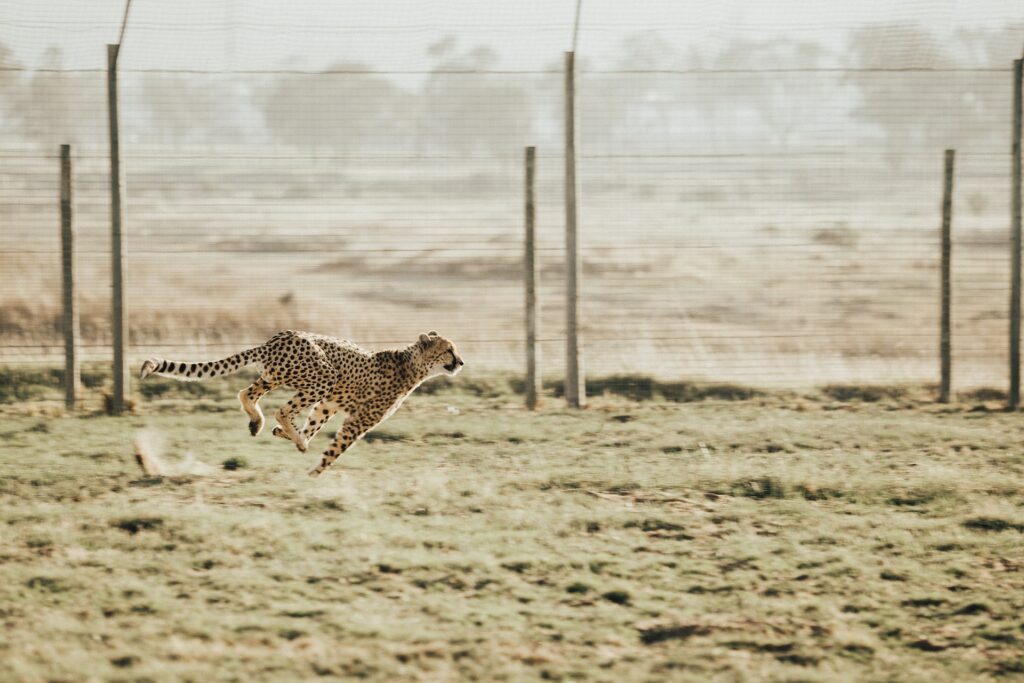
(351, 431)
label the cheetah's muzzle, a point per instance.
(454, 366)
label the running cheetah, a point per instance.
(330, 375)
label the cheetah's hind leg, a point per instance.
(285, 413)
(322, 412)
(279, 431)
(250, 400)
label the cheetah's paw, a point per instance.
(279, 432)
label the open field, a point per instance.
(810, 270)
(849, 533)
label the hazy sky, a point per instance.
(261, 34)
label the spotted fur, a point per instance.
(329, 376)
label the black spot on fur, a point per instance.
(181, 368)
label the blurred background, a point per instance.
(761, 183)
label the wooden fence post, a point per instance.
(530, 275)
(1013, 398)
(575, 381)
(72, 373)
(945, 339)
(117, 241)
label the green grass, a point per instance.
(781, 537)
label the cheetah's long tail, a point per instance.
(190, 372)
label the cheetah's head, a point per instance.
(439, 354)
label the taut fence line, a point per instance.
(575, 380)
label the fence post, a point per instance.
(117, 242)
(530, 275)
(575, 382)
(72, 374)
(1013, 398)
(945, 339)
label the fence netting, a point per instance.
(764, 211)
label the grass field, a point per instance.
(844, 534)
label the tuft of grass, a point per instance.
(47, 584)
(974, 608)
(235, 463)
(992, 524)
(865, 393)
(982, 395)
(160, 387)
(924, 602)
(384, 436)
(659, 634)
(690, 392)
(619, 597)
(761, 487)
(645, 388)
(1009, 667)
(125, 662)
(134, 525)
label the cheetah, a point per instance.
(329, 375)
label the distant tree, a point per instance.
(54, 105)
(465, 109)
(347, 108)
(778, 88)
(924, 109)
(189, 109)
(988, 47)
(641, 102)
(626, 106)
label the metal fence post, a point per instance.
(575, 382)
(1013, 398)
(530, 275)
(117, 241)
(945, 340)
(72, 373)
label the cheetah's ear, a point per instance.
(432, 333)
(424, 339)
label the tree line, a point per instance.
(645, 94)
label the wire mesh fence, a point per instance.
(768, 214)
